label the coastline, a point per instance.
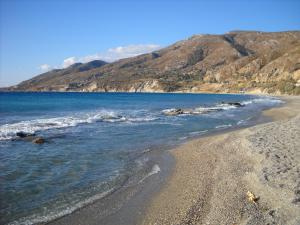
(136, 201)
(213, 174)
(258, 93)
(123, 202)
(127, 204)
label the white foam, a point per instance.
(8, 131)
(142, 119)
(268, 101)
(182, 138)
(168, 110)
(223, 126)
(155, 169)
(243, 121)
(263, 100)
(195, 133)
(35, 219)
(142, 161)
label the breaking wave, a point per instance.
(266, 101)
(36, 219)
(155, 169)
(9, 131)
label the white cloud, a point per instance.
(69, 61)
(44, 67)
(109, 55)
(121, 52)
(89, 58)
(130, 51)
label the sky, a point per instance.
(40, 35)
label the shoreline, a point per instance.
(213, 174)
(133, 211)
(159, 92)
(95, 209)
(127, 204)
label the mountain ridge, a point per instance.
(234, 62)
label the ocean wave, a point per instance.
(219, 107)
(142, 119)
(196, 133)
(223, 126)
(182, 138)
(263, 100)
(242, 122)
(36, 219)
(155, 169)
(268, 101)
(199, 110)
(9, 131)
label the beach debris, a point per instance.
(251, 197)
(38, 140)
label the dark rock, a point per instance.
(237, 104)
(38, 140)
(155, 55)
(22, 134)
(174, 112)
(108, 117)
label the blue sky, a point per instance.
(37, 35)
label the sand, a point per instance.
(209, 181)
(212, 176)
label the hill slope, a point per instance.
(233, 62)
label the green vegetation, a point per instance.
(287, 86)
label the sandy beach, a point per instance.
(212, 176)
(207, 180)
(149, 112)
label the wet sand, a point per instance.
(127, 204)
(212, 176)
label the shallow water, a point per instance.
(96, 142)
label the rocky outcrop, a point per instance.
(30, 137)
(202, 110)
(253, 62)
(22, 134)
(173, 112)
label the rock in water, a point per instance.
(22, 134)
(38, 140)
(237, 104)
(174, 112)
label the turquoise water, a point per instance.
(95, 142)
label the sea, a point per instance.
(95, 142)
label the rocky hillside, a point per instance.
(253, 62)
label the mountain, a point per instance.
(59, 79)
(238, 61)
